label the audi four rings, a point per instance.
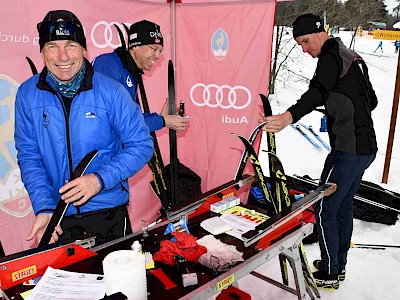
(107, 34)
(216, 99)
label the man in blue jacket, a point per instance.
(62, 114)
(341, 84)
(145, 47)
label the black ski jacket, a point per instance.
(341, 84)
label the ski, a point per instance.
(61, 207)
(173, 188)
(308, 276)
(245, 155)
(373, 246)
(310, 128)
(271, 146)
(156, 164)
(262, 181)
(356, 197)
(278, 181)
(282, 218)
(297, 127)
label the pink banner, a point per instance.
(223, 54)
(222, 65)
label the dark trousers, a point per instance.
(334, 214)
(106, 224)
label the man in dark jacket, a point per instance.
(342, 85)
(145, 47)
(62, 114)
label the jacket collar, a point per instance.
(86, 84)
(128, 61)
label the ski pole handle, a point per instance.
(181, 109)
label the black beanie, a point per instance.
(144, 33)
(307, 24)
(60, 25)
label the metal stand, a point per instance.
(289, 246)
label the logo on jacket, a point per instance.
(220, 44)
(90, 115)
(46, 118)
(14, 198)
(129, 82)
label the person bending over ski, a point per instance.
(61, 115)
(342, 85)
(145, 47)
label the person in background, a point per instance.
(379, 46)
(145, 47)
(396, 46)
(61, 115)
(341, 84)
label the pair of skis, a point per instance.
(277, 198)
(278, 194)
(298, 126)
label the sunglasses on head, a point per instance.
(58, 28)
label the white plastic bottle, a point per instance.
(137, 247)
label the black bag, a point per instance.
(189, 183)
(372, 213)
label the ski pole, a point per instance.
(372, 246)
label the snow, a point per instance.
(371, 274)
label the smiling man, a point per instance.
(145, 47)
(62, 114)
(340, 84)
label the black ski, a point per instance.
(172, 137)
(156, 165)
(32, 65)
(373, 246)
(262, 181)
(61, 207)
(277, 173)
(308, 276)
(297, 127)
(356, 197)
(245, 155)
(296, 207)
(277, 180)
(310, 129)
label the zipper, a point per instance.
(66, 111)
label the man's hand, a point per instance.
(80, 190)
(276, 123)
(39, 226)
(174, 122)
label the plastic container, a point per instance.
(137, 247)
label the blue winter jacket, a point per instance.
(51, 141)
(111, 65)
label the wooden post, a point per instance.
(392, 124)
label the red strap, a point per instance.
(168, 283)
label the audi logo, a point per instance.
(106, 39)
(224, 96)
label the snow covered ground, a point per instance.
(371, 274)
